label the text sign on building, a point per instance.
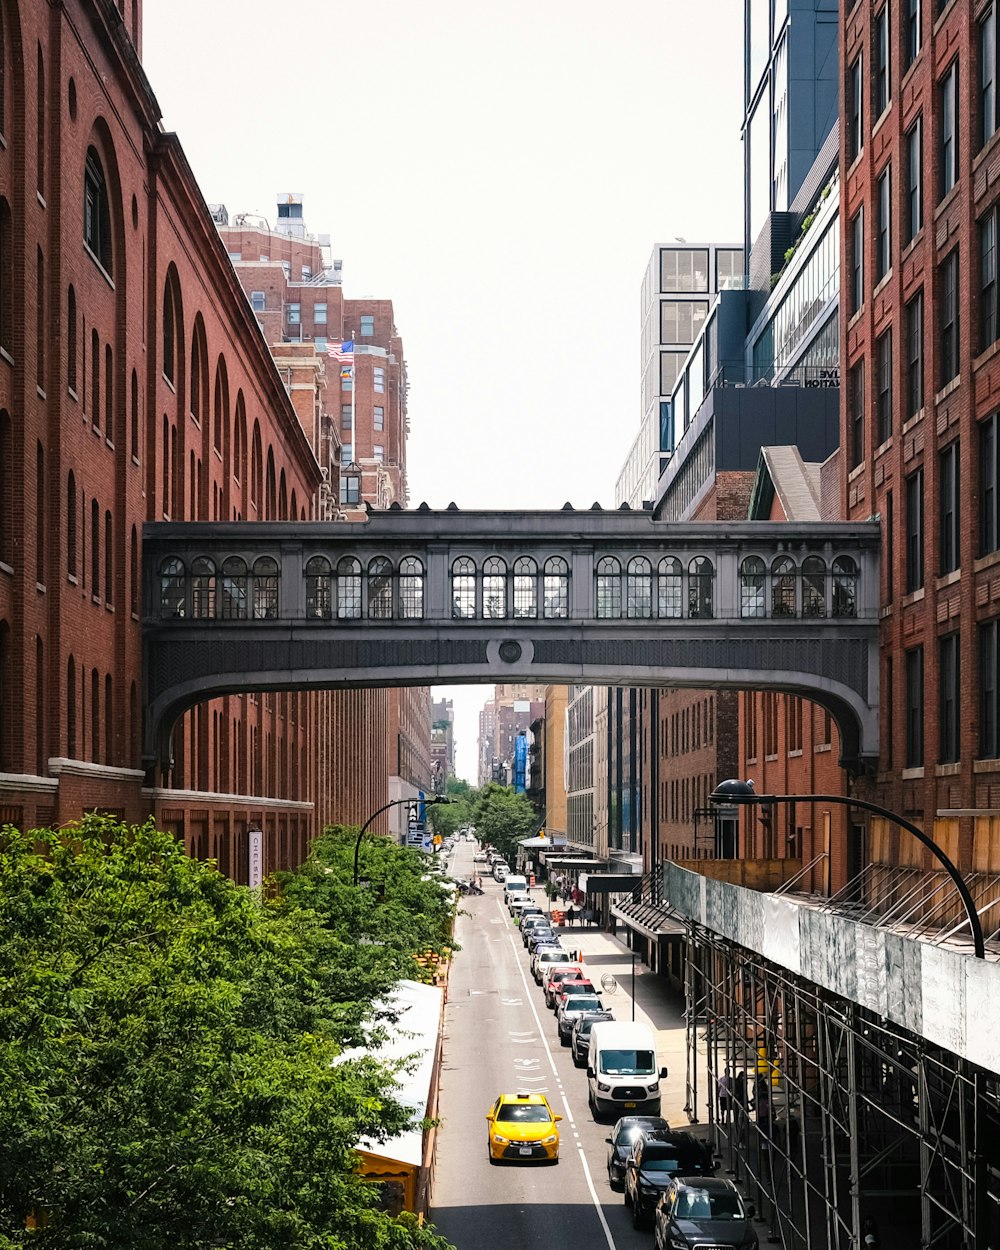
(255, 866)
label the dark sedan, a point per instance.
(579, 1038)
(539, 936)
(623, 1138)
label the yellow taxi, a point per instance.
(522, 1127)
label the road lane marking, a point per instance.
(569, 1114)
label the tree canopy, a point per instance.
(168, 1043)
(502, 817)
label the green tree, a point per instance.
(503, 818)
(170, 1049)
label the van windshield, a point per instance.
(627, 1062)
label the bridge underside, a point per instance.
(196, 661)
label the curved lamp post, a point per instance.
(742, 792)
(431, 802)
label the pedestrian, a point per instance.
(571, 915)
(871, 1241)
(739, 1088)
(724, 1095)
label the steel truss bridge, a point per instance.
(566, 597)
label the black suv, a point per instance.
(623, 1137)
(655, 1160)
(702, 1211)
(579, 1037)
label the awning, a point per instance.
(559, 853)
(652, 920)
(609, 882)
(532, 844)
(575, 861)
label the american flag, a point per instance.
(344, 352)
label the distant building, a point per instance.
(509, 713)
(442, 744)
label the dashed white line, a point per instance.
(569, 1114)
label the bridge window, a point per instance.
(814, 586)
(265, 589)
(701, 588)
(751, 587)
(555, 588)
(463, 588)
(234, 589)
(609, 588)
(319, 589)
(411, 588)
(202, 589)
(380, 589)
(669, 587)
(783, 578)
(348, 589)
(525, 587)
(172, 588)
(845, 587)
(639, 598)
(494, 588)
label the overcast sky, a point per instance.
(500, 171)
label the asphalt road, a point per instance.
(500, 1037)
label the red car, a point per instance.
(568, 987)
(559, 973)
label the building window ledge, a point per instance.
(949, 579)
(856, 317)
(72, 579)
(886, 112)
(986, 354)
(948, 770)
(856, 472)
(911, 244)
(6, 568)
(913, 422)
(5, 355)
(41, 199)
(882, 448)
(987, 148)
(947, 389)
(97, 261)
(751, 759)
(769, 759)
(41, 392)
(945, 204)
(169, 382)
(822, 746)
(913, 774)
(883, 282)
(915, 596)
(72, 394)
(795, 754)
(987, 561)
(986, 766)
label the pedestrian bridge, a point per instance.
(568, 597)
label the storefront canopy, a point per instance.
(540, 843)
(609, 882)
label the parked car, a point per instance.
(540, 935)
(555, 978)
(568, 988)
(579, 1038)
(702, 1211)
(623, 1137)
(516, 885)
(656, 1158)
(546, 957)
(533, 920)
(572, 1006)
(500, 871)
(525, 910)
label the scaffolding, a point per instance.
(841, 1124)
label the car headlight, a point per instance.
(501, 1141)
(678, 1245)
(605, 1089)
(547, 1141)
(654, 1087)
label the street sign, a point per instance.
(255, 874)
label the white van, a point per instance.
(623, 1076)
(515, 885)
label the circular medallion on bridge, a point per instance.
(510, 651)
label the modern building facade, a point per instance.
(505, 717)
(442, 744)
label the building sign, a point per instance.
(520, 763)
(255, 867)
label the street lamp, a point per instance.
(431, 802)
(742, 792)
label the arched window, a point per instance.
(71, 708)
(134, 573)
(240, 442)
(95, 548)
(71, 524)
(752, 587)
(197, 375)
(265, 589)
(40, 320)
(701, 588)
(555, 589)
(639, 588)
(411, 588)
(40, 124)
(256, 468)
(134, 435)
(202, 589)
(95, 380)
(71, 333)
(6, 279)
(109, 561)
(845, 587)
(525, 588)
(109, 394)
(814, 586)
(220, 410)
(282, 497)
(169, 332)
(668, 588)
(348, 589)
(97, 212)
(319, 589)
(95, 716)
(166, 466)
(293, 507)
(109, 721)
(40, 706)
(608, 600)
(172, 589)
(380, 589)
(463, 588)
(494, 588)
(41, 514)
(6, 488)
(234, 589)
(270, 489)
(783, 578)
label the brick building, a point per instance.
(135, 385)
(919, 162)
